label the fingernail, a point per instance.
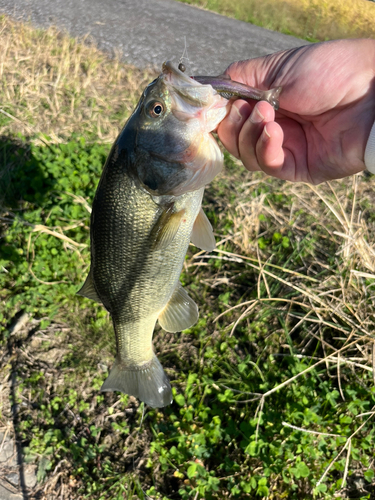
(256, 116)
(265, 134)
(235, 115)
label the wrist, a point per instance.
(370, 151)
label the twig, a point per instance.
(331, 207)
(260, 410)
(348, 443)
(323, 360)
(243, 315)
(346, 464)
(45, 229)
(45, 282)
(273, 299)
(308, 431)
(339, 377)
(245, 258)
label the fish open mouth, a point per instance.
(191, 91)
(169, 68)
(192, 99)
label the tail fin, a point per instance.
(147, 382)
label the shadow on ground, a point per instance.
(21, 180)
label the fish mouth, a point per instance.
(191, 91)
(188, 88)
(170, 69)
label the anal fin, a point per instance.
(202, 235)
(180, 313)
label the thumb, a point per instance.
(248, 72)
(266, 71)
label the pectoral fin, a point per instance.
(180, 313)
(88, 289)
(202, 235)
(166, 227)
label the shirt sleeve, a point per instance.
(370, 151)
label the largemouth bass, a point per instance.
(146, 210)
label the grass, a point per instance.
(274, 387)
(313, 20)
(58, 86)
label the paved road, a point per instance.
(147, 32)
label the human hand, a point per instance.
(327, 108)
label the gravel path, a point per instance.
(147, 32)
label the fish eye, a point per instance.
(156, 109)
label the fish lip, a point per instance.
(169, 68)
(185, 86)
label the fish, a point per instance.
(146, 211)
(230, 89)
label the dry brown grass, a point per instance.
(55, 85)
(316, 19)
(334, 286)
(333, 299)
(324, 290)
(332, 19)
